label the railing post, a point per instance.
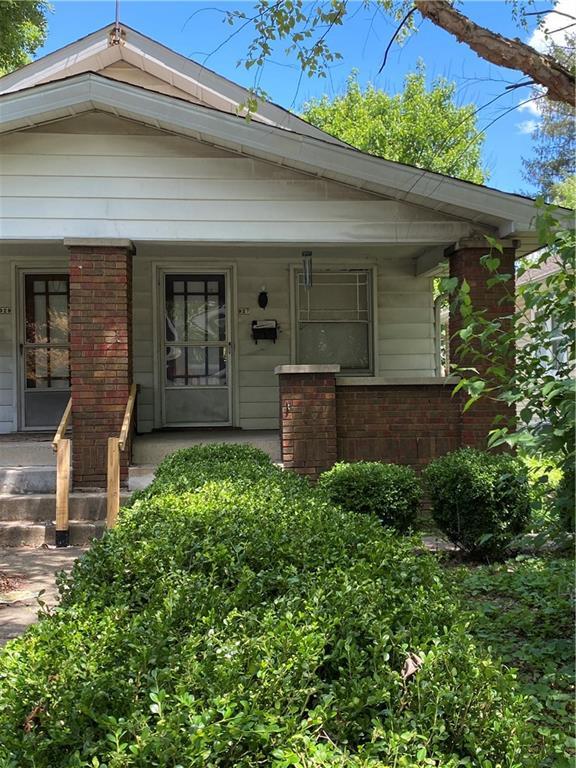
(113, 500)
(62, 492)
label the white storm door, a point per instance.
(196, 359)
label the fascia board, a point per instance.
(268, 143)
(219, 85)
(56, 62)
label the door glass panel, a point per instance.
(196, 361)
(45, 358)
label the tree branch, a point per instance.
(513, 54)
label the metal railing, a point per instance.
(61, 445)
(116, 445)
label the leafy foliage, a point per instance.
(523, 611)
(390, 492)
(420, 127)
(252, 623)
(480, 500)
(540, 389)
(552, 168)
(190, 468)
(22, 31)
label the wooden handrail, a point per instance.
(63, 426)
(128, 413)
(115, 446)
(62, 447)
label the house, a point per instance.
(248, 275)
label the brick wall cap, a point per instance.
(377, 381)
(300, 369)
(98, 242)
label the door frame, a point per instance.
(159, 271)
(19, 281)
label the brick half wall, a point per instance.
(397, 423)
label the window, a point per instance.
(334, 320)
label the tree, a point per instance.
(540, 331)
(552, 169)
(22, 31)
(420, 127)
(307, 28)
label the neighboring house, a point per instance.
(145, 227)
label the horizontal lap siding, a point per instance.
(57, 184)
(405, 321)
(6, 351)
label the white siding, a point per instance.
(64, 180)
(119, 181)
(405, 331)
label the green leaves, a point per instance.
(234, 619)
(480, 500)
(421, 126)
(390, 492)
(539, 329)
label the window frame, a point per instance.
(370, 272)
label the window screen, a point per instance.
(334, 320)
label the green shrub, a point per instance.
(480, 500)
(254, 624)
(189, 468)
(387, 490)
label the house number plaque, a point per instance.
(5, 310)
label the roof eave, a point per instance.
(507, 214)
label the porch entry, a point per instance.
(196, 349)
(43, 349)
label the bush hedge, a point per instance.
(388, 491)
(252, 623)
(480, 500)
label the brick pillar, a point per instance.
(465, 263)
(308, 417)
(100, 353)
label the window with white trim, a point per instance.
(334, 319)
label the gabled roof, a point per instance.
(185, 98)
(139, 60)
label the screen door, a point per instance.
(44, 348)
(196, 350)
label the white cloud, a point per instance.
(550, 22)
(527, 126)
(531, 106)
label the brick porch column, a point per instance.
(308, 417)
(100, 352)
(464, 260)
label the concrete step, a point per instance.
(37, 534)
(27, 453)
(151, 449)
(29, 479)
(41, 508)
(140, 476)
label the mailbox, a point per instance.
(264, 330)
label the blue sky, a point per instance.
(197, 29)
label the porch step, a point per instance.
(150, 449)
(28, 479)
(27, 520)
(27, 453)
(30, 534)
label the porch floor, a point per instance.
(149, 449)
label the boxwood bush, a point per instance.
(480, 500)
(189, 468)
(389, 491)
(254, 624)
